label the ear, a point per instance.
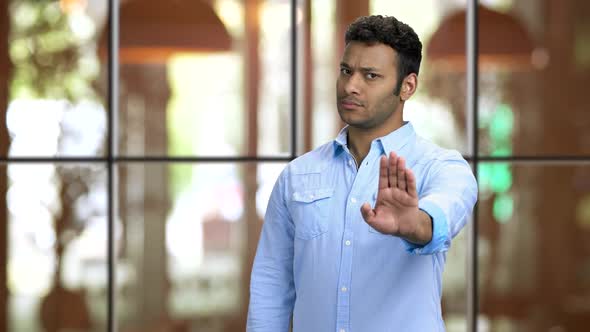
(409, 86)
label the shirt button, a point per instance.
(344, 289)
(353, 200)
(347, 242)
(349, 162)
(342, 330)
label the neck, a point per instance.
(359, 139)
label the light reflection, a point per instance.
(83, 124)
(37, 137)
(82, 26)
(27, 275)
(231, 13)
(434, 121)
(218, 192)
(44, 127)
(84, 127)
(276, 17)
(24, 14)
(267, 176)
(73, 6)
(273, 111)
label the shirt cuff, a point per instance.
(441, 240)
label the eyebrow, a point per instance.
(363, 69)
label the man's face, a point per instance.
(366, 84)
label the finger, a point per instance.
(411, 181)
(401, 174)
(367, 212)
(383, 180)
(392, 170)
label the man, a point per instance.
(337, 264)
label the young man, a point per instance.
(356, 231)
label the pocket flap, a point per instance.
(311, 195)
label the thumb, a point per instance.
(367, 212)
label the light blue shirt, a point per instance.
(319, 261)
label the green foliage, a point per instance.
(502, 124)
(49, 59)
(503, 208)
(497, 177)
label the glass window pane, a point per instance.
(456, 281)
(324, 69)
(526, 107)
(437, 109)
(57, 238)
(188, 240)
(534, 223)
(454, 299)
(55, 107)
(196, 77)
(274, 85)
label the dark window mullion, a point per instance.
(472, 114)
(113, 102)
(294, 79)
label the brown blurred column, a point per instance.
(4, 142)
(252, 221)
(143, 191)
(554, 268)
(346, 12)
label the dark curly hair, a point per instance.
(389, 31)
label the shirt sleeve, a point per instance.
(272, 290)
(448, 195)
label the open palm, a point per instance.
(396, 210)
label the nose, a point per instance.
(352, 84)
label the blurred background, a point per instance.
(213, 106)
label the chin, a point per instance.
(360, 124)
(354, 119)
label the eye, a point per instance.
(371, 76)
(345, 71)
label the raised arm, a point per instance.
(448, 195)
(427, 222)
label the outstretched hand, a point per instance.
(396, 210)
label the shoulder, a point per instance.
(441, 166)
(433, 157)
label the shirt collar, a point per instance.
(393, 141)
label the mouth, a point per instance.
(350, 104)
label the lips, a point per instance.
(350, 103)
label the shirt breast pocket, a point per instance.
(310, 211)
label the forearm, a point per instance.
(448, 199)
(422, 232)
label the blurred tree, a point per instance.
(52, 51)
